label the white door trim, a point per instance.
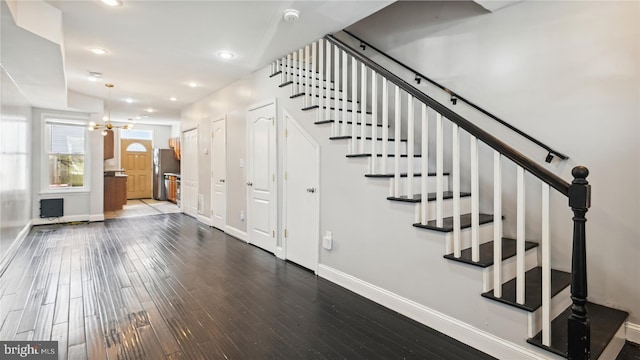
(212, 184)
(249, 164)
(195, 169)
(289, 119)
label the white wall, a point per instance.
(15, 163)
(591, 80)
(566, 73)
(80, 205)
(233, 102)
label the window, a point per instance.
(65, 148)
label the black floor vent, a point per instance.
(51, 208)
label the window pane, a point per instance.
(135, 134)
(136, 147)
(66, 171)
(66, 139)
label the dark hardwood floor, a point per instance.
(165, 286)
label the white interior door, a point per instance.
(262, 210)
(301, 196)
(189, 174)
(218, 173)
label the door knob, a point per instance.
(221, 180)
(311, 190)
(249, 184)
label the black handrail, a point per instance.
(514, 155)
(455, 96)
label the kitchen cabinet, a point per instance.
(115, 191)
(109, 144)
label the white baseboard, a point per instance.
(96, 217)
(633, 332)
(457, 329)
(203, 219)
(13, 248)
(236, 233)
(62, 220)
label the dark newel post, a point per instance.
(579, 346)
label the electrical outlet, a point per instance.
(241, 215)
(327, 240)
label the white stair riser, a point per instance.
(559, 303)
(390, 163)
(509, 268)
(417, 185)
(366, 146)
(447, 208)
(367, 130)
(485, 234)
(349, 116)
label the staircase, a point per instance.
(401, 131)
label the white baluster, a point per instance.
(283, 69)
(313, 70)
(363, 110)
(455, 154)
(425, 164)
(354, 99)
(294, 86)
(475, 204)
(385, 124)
(410, 145)
(374, 121)
(336, 84)
(321, 87)
(439, 170)
(520, 234)
(497, 224)
(345, 92)
(301, 79)
(288, 72)
(546, 268)
(397, 122)
(307, 79)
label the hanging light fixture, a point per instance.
(107, 123)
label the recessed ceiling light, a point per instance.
(193, 84)
(173, 98)
(112, 2)
(150, 110)
(94, 76)
(226, 55)
(138, 117)
(98, 51)
(129, 100)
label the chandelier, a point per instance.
(107, 123)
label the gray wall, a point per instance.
(564, 72)
(80, 205)
(15, 163)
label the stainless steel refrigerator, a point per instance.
(164, 161)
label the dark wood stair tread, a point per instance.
(447, 225)
(387, 176)
(348, 110)
(275, 73)
(346, 137)
(310, 107)
(533, 289)
(486, 252)
(380, 155)
(605, 322)
(430, 197)
(630, 351)
(321, 122)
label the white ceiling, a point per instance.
(157, 47)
